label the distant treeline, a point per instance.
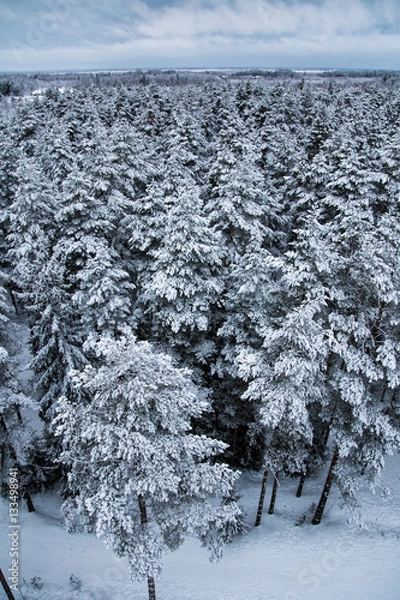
(17, 84)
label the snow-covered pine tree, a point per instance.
(346, 254)
(286, 372)
(241, 210)
(33, 238)
(103, 295)
(17, 440)
(138, 476)
(32, 226)
(184, 284)
(8, 185)
(363, 325)
(236, 203)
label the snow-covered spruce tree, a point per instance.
(319, 131)
(184, 280)
(241, 210)
(33, 236)
(237, 204)
(162, 224)
(154, 114)
(138, 476)
(246, 310)
(32, 226)
(286, 373)
(46, 255)
(102, 299)
(56, 339)
(57, 154)
(131, 164)
(16, 438)
(83, 290)
(93, 237)
(146, 226)
(8, 184)
(364, 336)
(346, 254)
(219, 106)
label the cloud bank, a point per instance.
(59, 34)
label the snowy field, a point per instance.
(349, 556)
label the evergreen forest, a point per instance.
(209, 271)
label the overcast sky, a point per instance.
(105, 34)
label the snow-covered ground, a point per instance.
(348, 556)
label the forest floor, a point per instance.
(351, 554)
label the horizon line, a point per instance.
(302, 69)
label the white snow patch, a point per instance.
(341, 558)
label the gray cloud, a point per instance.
(56, 34)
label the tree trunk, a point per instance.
(144, 522)
(262, 498)
(28, 500)
(143, 511)
(301, 485)
(14, 301)
(325, 438)
(235, 440)
(152, 588)
(6, 587)
(273, 495)
(377, 324)
(325, 492)
(19, 416)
